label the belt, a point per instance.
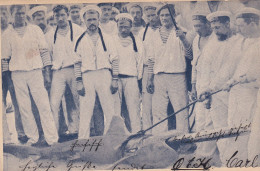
(125, 76)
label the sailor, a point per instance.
(38, 17)
(166, 67)
(202, 121)
(50, 20)
(27, 50)
(75, 15)
(153, 23)
(222, 55)
(61, 42)
(243, 92)
(130, 53)
(136, 11)
(114, 13)
(7, 83)
(92, 70)
(108, 26)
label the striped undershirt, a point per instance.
(164, 33)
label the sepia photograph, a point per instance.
(126, 85)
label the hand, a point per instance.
(193, 93)
(140, 86)
(243, 80)
(80, 88)
(180, 34)
(47, 78)
(150, 86)
(204, 95)
(114, 86)
(208, 103)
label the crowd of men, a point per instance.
(138, 52)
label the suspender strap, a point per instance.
(102, 39)
(146, 28)
(79, 39)
(71, 32)
(134, 43)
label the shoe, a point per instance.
(23, 139)
(67, 136)
(40, 144)
(29, 143)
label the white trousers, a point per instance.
(33, 80)
(169, 87)
(203, 122)
(146, 102)
(129, 86)
(242, 105)
(254, 139)
(95, 81)
(60, 79)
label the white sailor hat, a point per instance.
(216, 14)
(124, 16)
(247, 10)
(114, 9)
(90, 7)
(199, 13)
(37, 9)
(151, 5)
(133, 4)
(73, 6)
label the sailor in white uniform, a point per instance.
(93, 65)
(26, 48)
(130, 53)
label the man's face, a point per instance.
(136, 13)
(246, 29)
(4, 17)
(19, 15)
(75, 14)
(106, 12)
(151, 16)
(91, 20)
(113, 15)
(200, 27)
(124, 27)
(61, 18)
(165, 17)
(220, 29)
(39, 19)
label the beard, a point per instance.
(222, 37)
(42, 26)
(92, 27)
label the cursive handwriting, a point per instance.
(132, 167)
(41, 166)
(235, 131)
(235, 162)
(94, 144)
(193, 164)
(84, 166)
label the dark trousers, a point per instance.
(7, 85)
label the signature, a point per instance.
(132, 167)
(193, 164)
(84, 165)
(236, 162)
(92, 145)
(41, 166)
